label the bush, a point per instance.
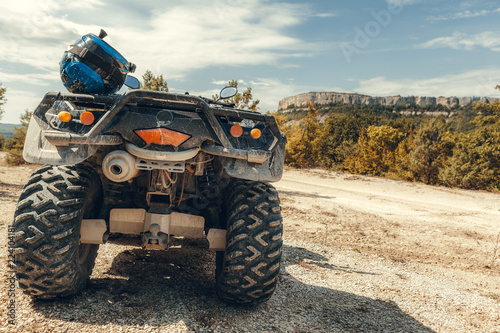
(475, 163)
(14, 157)
(304, 142)
(430, 150)
(14, 146)
(461, 151)
(340, 136)
(376, 152)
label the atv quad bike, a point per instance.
(155, 164)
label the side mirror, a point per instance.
(132, 82)
(227, 92)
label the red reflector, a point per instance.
(162, 136)
(236, 131)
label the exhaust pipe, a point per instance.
(119, 166)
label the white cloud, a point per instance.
(463, 15)
(402, 2)
(36, 39)
(182, 39)
(268, 90)
(38, 79)
(335, 14)
(34, 10)
(176, 39)
(87, 4)
(17, 102)
(271, 90)
(480, 82)
(223, 83)
(458, 41)
(172, 38)
(220, 82)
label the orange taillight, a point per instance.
(162, 136)
(87, 118)
(64, 116)
(255, 133)
(236, 131)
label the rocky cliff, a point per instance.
(334, 97)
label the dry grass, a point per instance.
(495, 251)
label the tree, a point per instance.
(152, 82)
(242, 100)
(341, 134)
(376, 154)
(3, 90)
(15, 145)
(304, 145)
(402, 164)
(475, 163)
(432, 146)
(281, 121)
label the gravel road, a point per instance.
(361, 254)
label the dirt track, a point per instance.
(361, 254)
(397, 220)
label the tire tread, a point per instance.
(49, 210)
(247, 271)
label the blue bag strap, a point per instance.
(87, 55)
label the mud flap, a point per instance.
(269, 171)
(37, 149)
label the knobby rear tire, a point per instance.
(247, 272)
(49, 261)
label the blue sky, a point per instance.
(279, 48)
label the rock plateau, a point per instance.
(322, 98)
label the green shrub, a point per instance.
(14, 157)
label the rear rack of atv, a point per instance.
(168, 100)
(46, 143)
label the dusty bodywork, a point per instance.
(154, 164)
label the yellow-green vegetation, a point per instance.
(305, 142)
(3, 90)
(400, 142)
(242, 100)
(154, 82)
(14, 146)
(462, 150)
(475, 162)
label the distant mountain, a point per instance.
(321, 98)
(7, 130)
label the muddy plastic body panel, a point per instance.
(48, 141)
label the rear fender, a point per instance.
(269, 171)
(37, 149)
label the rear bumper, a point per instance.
(46, 145)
